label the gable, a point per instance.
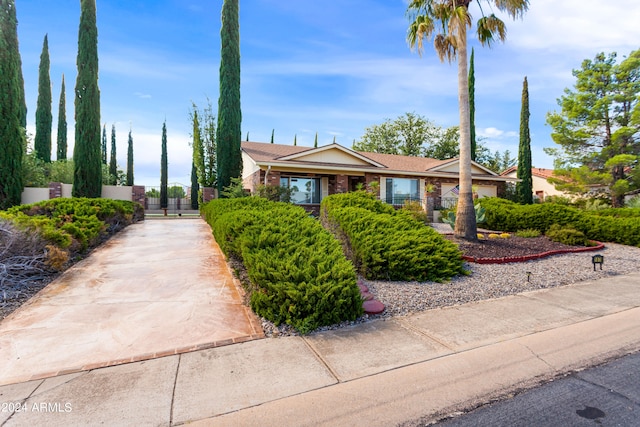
(454, 167)
(332, 155)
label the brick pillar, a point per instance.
(137, 194)
(55, 190)
(342, 183)
(208, 194)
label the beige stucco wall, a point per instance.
(116, 192)
(33, 195)
(541, 184)
(249, 167)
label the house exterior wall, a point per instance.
(541, 186)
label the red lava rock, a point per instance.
(367, 296)
(373, 306)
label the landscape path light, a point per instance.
(597, 259)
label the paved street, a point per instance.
(607, 395)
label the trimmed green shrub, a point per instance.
(388, 244)
(74, 225)
(620, 225)
(528, 233)
(567, 236)
(298, 270)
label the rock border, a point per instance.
(525, 258)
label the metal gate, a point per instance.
(179, 199)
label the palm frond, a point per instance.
(514, 8)
(421, 28)
(446, 47)
(491, 28)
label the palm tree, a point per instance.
(449, 20)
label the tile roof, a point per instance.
(539, 172)
(264, 152)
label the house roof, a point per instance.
(298, 156)
(539, 172)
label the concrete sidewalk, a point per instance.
(375, 374)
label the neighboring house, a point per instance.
(541, 187)
(314, 173)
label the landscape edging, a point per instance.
(525, 258)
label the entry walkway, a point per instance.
(158, 288)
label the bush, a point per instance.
(416, 210)
(298, 271)
(620, 225)
(567, 236)
(389, 244)
(528, 233)
(75, 224)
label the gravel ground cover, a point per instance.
(487, 281)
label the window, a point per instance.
(401, 189)
(303, 190)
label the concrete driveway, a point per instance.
(158, 288)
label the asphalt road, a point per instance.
(607, 395)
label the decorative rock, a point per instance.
(373, 306)
(363, 287)
(367, 296)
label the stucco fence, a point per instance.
(56, 189)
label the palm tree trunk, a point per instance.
(465, 226)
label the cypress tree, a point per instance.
(295, 139)
(130, 160)
(315, 141)
(164, 199)
(62, 124)
(113, 161)
(229, 134)
(524, 188)
(273, 131)
(247, 136)
(42, 141)
(87, 180)
(104, 144)
(472, 105)
(12, 140)
(195, 187)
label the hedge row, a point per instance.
(301, 276)
(389, 244)
(618, 226)
(73, 225)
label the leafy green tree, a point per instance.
(229, 156)
(449, 21)
(153, 193)
(176, 192)
(472, 106)
(495, 161)
(12, 114)
(407, 135)
(444, 145)
(204, 144)
(130, 160)
(164, 166)
(62, 124)
(43, 110)
(87, 180)
(598, 120)
(113, 161)
(524, 188)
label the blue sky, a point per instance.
(333, 66)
